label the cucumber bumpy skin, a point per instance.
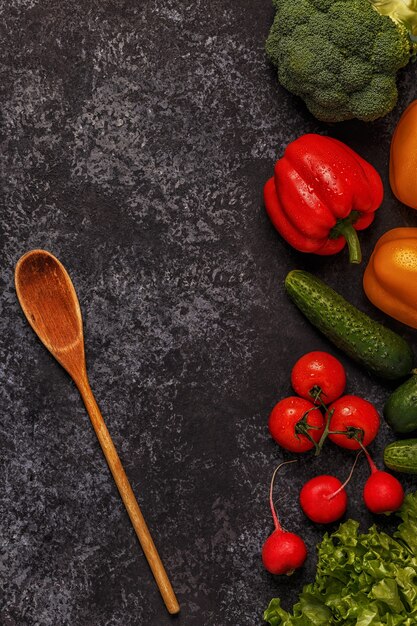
(401, 456)
(400, 410)
(377, 348)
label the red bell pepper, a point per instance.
(321, 193)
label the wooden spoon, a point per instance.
(49, 301)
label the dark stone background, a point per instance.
(136, 137)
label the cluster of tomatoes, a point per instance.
(303, 422)
(298, 423)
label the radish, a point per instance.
(382, 493)
(324, 499)
(283, 552)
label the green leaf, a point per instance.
(387, 591)
(274, 614)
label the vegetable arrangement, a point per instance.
(341, 57)
(362, 578)
(298, 425)
(320, 411)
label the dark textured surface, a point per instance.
(136, 138)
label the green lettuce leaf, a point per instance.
(367, 579)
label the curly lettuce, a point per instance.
(367, 579)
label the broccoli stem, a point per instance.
(400, 11)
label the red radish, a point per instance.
(283, 552)
(296, 424)
(324, 499)
(353, 421)
(382, 493)
(318, 376)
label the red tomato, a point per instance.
(285, 417)
(318, 375)
(351, 412)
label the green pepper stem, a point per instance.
(349, 233)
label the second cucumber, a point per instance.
(371, 344)
(401, 456)
(400, 409)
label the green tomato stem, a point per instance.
(323, 438)
(302, 427)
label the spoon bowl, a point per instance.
(49, 301)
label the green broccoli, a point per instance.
(342, 56)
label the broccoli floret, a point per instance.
(340, 56)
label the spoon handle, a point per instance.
(128, 497)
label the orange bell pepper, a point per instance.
(403, 159)
(390, 279)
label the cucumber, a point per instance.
(401, 456)
(400, 410)
(378, 349)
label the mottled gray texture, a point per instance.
(136, 138)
